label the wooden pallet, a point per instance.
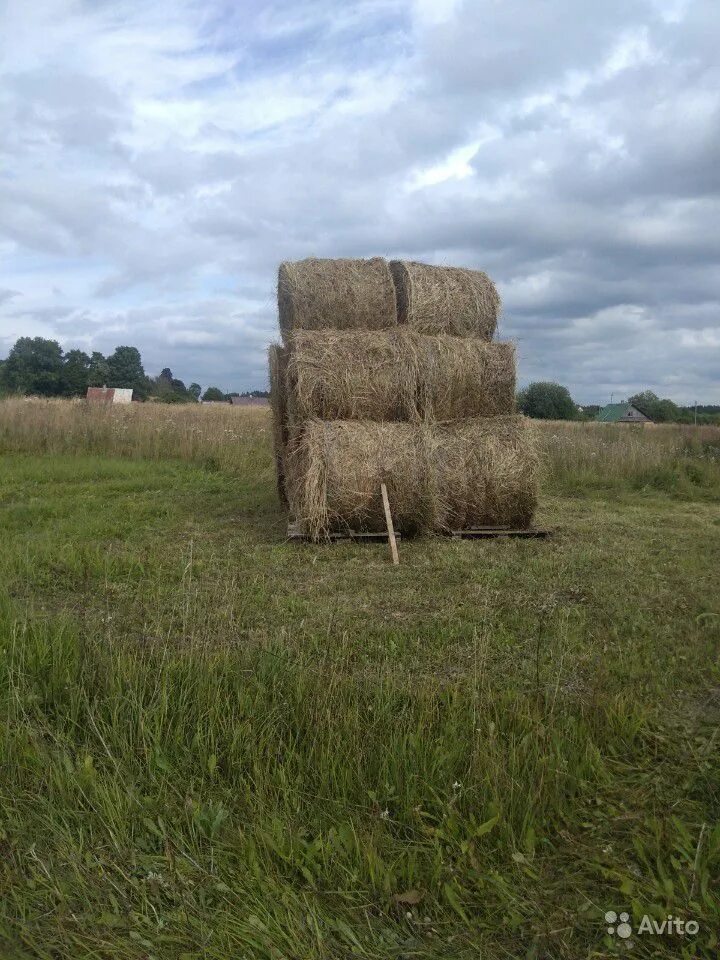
(477, 533)
(294, 532)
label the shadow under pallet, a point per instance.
(294, 532)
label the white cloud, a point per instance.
(159, 160)
(430, 13)
(707, 338)
(456, 166)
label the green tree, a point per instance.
(214, 393)
(99, 370)
(125, 369)
(33, 366)
(547, 401)
(195, 390)
(667, 412)
(659, 410)
(160, 386)
(75, 377)
(169, 389)
(646, 401)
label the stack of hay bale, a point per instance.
(388, 374)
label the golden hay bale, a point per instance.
(484, 472)
(318, 294)
(461, 377)
(450, 300)
(397, 375)
(277, 361)
(351, 375)
(334, 472)
(481, 471)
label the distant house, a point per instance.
(249, 401)
(621, 413)
(109, 395)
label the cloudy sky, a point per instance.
(157, 161)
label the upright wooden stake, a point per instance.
(389, 522)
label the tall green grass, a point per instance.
(576, 456)
(214, 744)
(668, 457)
(219, 436)
(265, 803)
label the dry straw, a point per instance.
(450, 300)
(335, 469)
(484, 472)
(351, 375)
(318, 294)
(465, 377)
(439, 477)
(397, 375)
(277, 361)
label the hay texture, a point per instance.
(461, 377)
(451, 300)
(351, 375)
(335, 469)
(277, 362)
(397, 375)
(481, 471)
(318, 294)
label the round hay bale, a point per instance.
(352, 375)
(477, 472)
(484, 472)
(316, 294)
(335, 469)
(277, 362)
(397, 375)
(430, 299)
(460, 377)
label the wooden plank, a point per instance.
(389, 522)
(361, 536)
(294, 532)
(479, 533)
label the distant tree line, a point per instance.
(552, 401)
(39, 367)
(665, 411)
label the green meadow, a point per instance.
(218, 744)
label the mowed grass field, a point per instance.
(216, 744)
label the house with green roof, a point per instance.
(625, 412)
